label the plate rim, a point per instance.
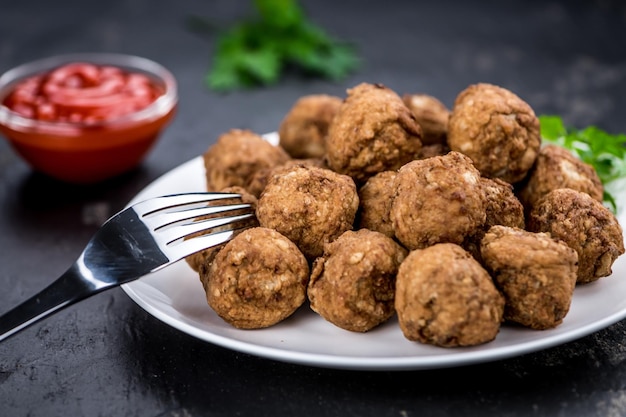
(453, 359)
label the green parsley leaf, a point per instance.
(280, 13)
(239, 63)
(604, 151)
(319, 55)
(257, 51)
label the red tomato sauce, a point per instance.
(82, 93)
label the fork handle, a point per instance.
(65, 291)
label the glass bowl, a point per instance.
(87, 150)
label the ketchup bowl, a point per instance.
(84, 118)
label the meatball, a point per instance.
(373, 131)
(502, 207)
(587, 226)
(439, 199)
(535, 273)
(496, 129)
(353, 284)
(556, 167)
(257, 280)
(257, 182)
(444, 297)
(375, 198)
(432, 116)
(236, 156)
(311, 206)
(304, 128)
(200, 259)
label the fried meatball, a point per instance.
(556, 167)
(375, 198)
(257, 182)
(353, 284)
(311, 206)
(431, 114)
(258, 279)
(236, 156)
(585, 225)
(304, 128)
(496, 129)
(535, 273)
(444, 297)
(199, 259)
(502, 207)
(373, 131)
(439, 199)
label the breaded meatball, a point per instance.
(496, 129)
(257, 182)
(373, 131)
(556, 167)
(535, 273)
(258, 279)
(431, 114)
(200, 259)
(439, 199)
(353, 284)
(375, 198)
(444, 297)
(304, 128)
(236, 156)
(585, 225)
(311, 206)
(502, 207)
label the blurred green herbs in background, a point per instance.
(602, 150)
(257, 51)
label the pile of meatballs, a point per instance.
(375, 204)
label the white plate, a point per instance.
(175, 296)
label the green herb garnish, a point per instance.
(257, 51)
(602, 150)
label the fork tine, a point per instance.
(175, 220)
(159, 220)
(178, 232)
(172, 201)
(197, 244)
(183, 248)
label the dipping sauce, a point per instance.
(83, 118)
(82, 93)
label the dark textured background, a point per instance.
(107, 357)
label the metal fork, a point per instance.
(137, 241)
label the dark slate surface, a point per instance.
(108, 357)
